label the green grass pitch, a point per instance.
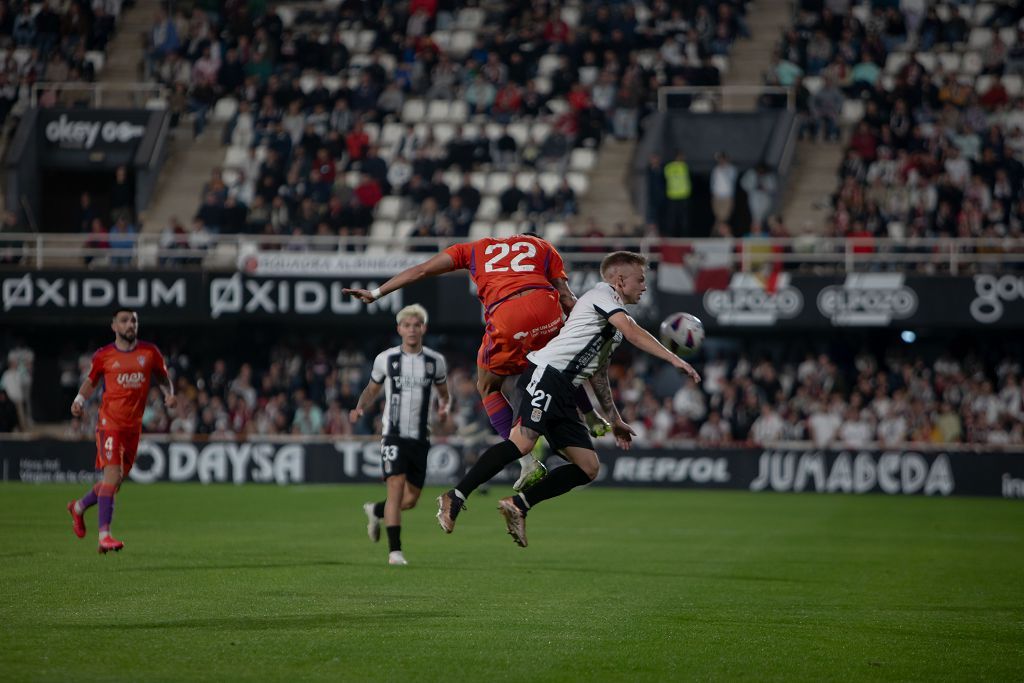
(262, 583)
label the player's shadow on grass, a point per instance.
(284, 621)
(725, 576)
(253, 565)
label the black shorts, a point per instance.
(548, 406)
(405, 456)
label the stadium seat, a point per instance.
(505, 228)
(571, 15)
(853, 111)
(550, 182)
(578, 182)
(498, 182)
(489, 209)
(403, 229)
(721, 62)
(950, 61)
(453, 179)
(548, 65)
(97, 59)
(413, 111)
(1008, 35)
(350, 39)
(979, 38)
(372, 131)
(287, 15)
(366, 39)
(895, 61)
(462, 43)
(480, 229)
(442, 39)
(231, 177)
(389, 208)
(555, 231)
(478, 180)
(156, 104)
(927, 60)
(813, 84)
(458, 112)
(519, 131)
(225, 109)
(443, 132)
(558, 105)
(984, 82)
(582, 159)
(861, 13)
(437, 111)
(391, 133)
(470, 18)
(471, 130)
(539, 131)
(972, 64)
(382, 230)
(525, 180)
(982, 13)
(1012, 83)
(236, 156)
(493, 130)
(543, 84)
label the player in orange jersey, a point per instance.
(522, 285)
(126, 367)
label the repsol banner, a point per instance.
(352, 461)
(857, 300)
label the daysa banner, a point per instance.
(856, 300)
(353, 461)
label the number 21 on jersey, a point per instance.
(499, 263)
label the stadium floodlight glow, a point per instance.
(908, 336)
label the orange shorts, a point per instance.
(116, 447)
(516, 327)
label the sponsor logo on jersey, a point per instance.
(520, 335)
(131, 380)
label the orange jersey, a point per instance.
(502, 267)
(126, 376)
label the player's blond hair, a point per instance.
(412, 310)
(621, 258)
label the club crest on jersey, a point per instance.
(142, 360)
(430, 368)
(536, 415)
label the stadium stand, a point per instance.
(933, 93)
(895, 396)
(381, 108)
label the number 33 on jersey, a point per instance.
(502, 267)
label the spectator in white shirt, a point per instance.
(856, 431)
(767, 427)
(715, 431)
(723, 188)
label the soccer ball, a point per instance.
(682, 334)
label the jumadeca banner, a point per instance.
(892, 472)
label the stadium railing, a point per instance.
(143, 95)
(723, 97)
(228, 252)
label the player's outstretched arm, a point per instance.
(565, 296)
(437, 265)
(84, 392)
(645, 341)
(601, 384)
(444, 401)
(366, 399)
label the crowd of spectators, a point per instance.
(939, 150)
(892, 398)
(313, 97)
(51, 42)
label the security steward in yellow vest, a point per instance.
(678, 189)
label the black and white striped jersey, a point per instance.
(408, 379)
(587, 339)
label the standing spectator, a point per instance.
(723, 188)
(8, 413)
(678, 189)
(10, 384)
(760, 186)
(826, 108)
(122, 196)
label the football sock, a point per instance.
(378, 510)
(106, 500)
(521, 503)
(560, 480)
(394, 537)
(88, 500)
(499, 412)
(490, 463)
